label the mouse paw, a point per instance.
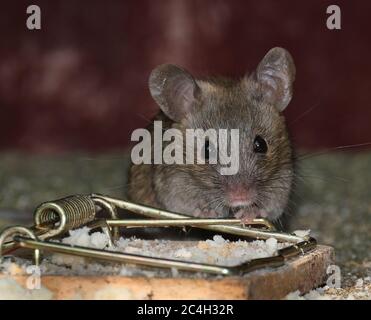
(205, 213)
(248, 216)
(247, 220)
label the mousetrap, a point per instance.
(54, 219)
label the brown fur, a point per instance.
(199, 190)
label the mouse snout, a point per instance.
(240, 195)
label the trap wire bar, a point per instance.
(53, 219)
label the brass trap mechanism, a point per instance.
(53, 219)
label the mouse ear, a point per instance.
(174, 90)
(275, 74)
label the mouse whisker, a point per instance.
(344, 147)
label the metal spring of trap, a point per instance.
(55, 218)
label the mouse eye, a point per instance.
(260, 145)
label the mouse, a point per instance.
(253, 104)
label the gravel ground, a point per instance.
(332, 196)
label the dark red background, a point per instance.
(80, 83)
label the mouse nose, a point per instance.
(239, 195)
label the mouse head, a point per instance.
(253, 105)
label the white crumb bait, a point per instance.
(302, 233)
(217, 251)
(360, 291)
(81, 237)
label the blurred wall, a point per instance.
(80, 83)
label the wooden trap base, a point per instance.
(302, 273)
